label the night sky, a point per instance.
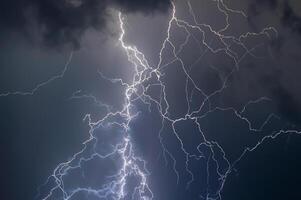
(150, 99)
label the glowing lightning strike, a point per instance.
(199, 114)
(130, 166)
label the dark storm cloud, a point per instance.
(64, 21)
(290, 18)
(281, 79)
(288, 105)
(289, 11)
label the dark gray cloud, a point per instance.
(288, 11)
(279, 76)
(292, 16)
(60, 22)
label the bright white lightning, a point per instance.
(131, 164)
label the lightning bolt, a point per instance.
(131, 165)
(118, 185)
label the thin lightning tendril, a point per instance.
(42, 84)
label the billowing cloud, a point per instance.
(60, 22)
(281, 77)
